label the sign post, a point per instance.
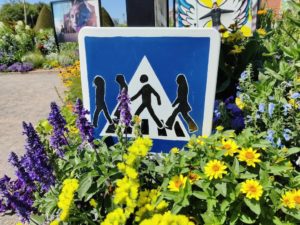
(170, 75)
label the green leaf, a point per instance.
(201, 195)
(247, 219)
(292, 151)
(36, 219)
(253, 205)
(292, 212)
(84, 186)
(277, 170)
(236, 166)
(176, 209)
(222, 188)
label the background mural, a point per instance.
(71, 16)
(218, 14)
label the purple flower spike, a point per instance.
(84, 126)
(124, 101)
(58, 139)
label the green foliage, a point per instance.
(44, 20)
(12, 12)
(36, 58)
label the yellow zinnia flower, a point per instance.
(229, 146)
(193, 177)
(249, 156)
(288, 200)
(240, 103)
(215, 169)
(252, 189)
(261, 31)
(177, 182)
(175, 150)
(201, 139)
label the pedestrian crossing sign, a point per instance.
(169, 74)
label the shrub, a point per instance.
(35, 58)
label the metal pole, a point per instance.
(25, 14)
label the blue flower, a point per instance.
(84, 126)
(58, 139)
(124, 101)
(261, 107)
(244, 75)
(270, 136)
(286, 134)
(286, 108)
(271, 109)
(295, 95)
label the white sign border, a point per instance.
(213, 61)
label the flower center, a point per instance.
(216, 168)
(178, 184)
(297, 199)
(249, 155)
(252, 188)
(227, 146)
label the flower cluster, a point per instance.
(291, 199)
(124, 101)
(20, 67)
(66, 197)
(147, 204)
(167, 219)
(116, 217)
(84, 126)
(127, 189)
(33, 171)
(58, 138)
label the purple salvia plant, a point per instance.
(58, 139)
(124, 101)
(36, 160)
(84, 126)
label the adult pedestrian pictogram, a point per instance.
(99, 84)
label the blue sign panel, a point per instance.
(170, 75)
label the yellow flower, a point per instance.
(240, 103)
(219, 128)
(65, 199)
(252, 189)
(116, 217)
(288, 200)
(192, 143)
(193, 177)
(293, 103)
(215, 169)
(249, 156)
(93, 203)
(175, 150)
(167, 219)
(237, 49)
(177, 183)
(262, 12)
(296, 196)
(19, 223)
(54, 222)
(201, 139)
(229, 146)
(261, 31)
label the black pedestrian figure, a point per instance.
(183, 106)
(215, 15)
(146, 91)
(120, 79)
(99, 84)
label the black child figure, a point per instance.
(215, 15)
(146, 91)
(183, 106)
(99, 84)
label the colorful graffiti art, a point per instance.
(217, 14)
